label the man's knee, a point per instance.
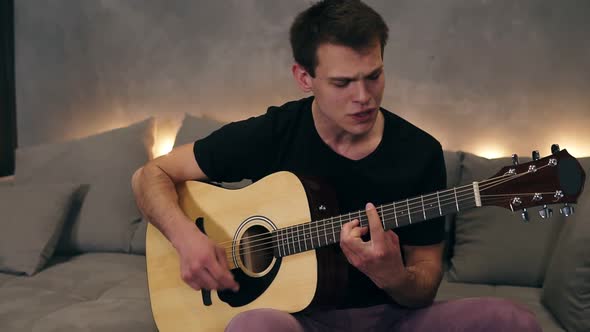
(263, 320)
(504, 315)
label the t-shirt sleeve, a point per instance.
(430, 231)
(239, 150)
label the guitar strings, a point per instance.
(296, 242)
(231, 257)
(267, 236)
(484, 185)
(292, 240)
(450, 197)
(297, 238)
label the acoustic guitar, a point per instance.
(279, 235)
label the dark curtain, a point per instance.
(7, 90)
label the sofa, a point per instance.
(72, 249)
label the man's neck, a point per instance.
(344, 143)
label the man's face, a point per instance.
(348, 87)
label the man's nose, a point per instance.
(362, 94)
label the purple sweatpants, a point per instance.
(470, 314)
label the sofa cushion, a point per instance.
(566, 291)
(88, 292)
(31, 221)
(20, 307)
(530, 297)
(106, 161)
(492, 244)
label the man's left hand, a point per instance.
(380, 258)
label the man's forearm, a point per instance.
(417, 288)
(157, 199)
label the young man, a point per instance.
(369, 155)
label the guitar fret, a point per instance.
(312, 226)
(438, 200)
(280, 243)
(304, 237)
(287, 241)
(278, 235)
(382, 219)
(298, 238)
(360, 220)
(333, 233)
(456, 201)
(284, 239)
(325, 231)
(423, 210)
(317, 229)
(409, 213)
(293, 239)
(340, 227)
(395, 215)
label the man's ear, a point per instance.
(302, 77)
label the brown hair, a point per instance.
(343, 22)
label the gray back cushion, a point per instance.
(492, 244)
(105, 162)
(453, 165)
(194, 128)
(566, 291)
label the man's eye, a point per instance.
(341, 84)
(375, 77)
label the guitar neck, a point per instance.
(308, 236)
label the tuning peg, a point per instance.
(515, 159)
(525, 215)
(554, 148)
(567, 210)
(536, 155)
(546, 212)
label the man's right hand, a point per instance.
(203, 263)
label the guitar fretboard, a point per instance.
(308, 236)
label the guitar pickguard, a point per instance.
(250, 288)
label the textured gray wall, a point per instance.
(489, 74)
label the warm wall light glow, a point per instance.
(490, 152)
(576, 147)
(163, 145)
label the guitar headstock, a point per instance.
(556, 179)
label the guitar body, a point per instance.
(291, 283)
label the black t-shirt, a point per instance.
(407, 163)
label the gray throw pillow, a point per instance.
(106, 161)
(566, 291)
(32, 219)
(492, 244)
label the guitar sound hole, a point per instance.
(256, 249)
